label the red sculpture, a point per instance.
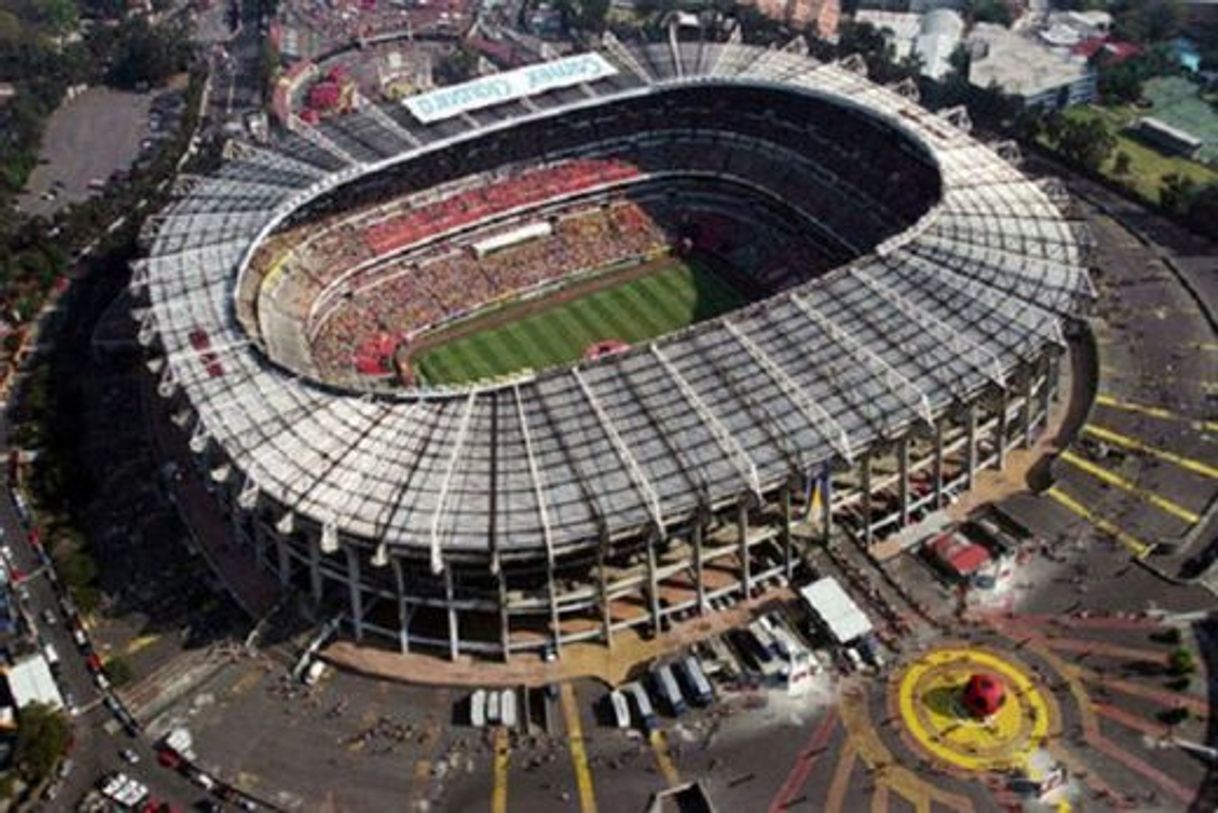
(984, 694)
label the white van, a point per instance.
(696, 684)
(667, 688)
(477, 708)
(620, 708)
(507, 708)
(644, 714)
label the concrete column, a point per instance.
(970, 449)
(603, 583)
(742, 525)
(403, 615)
(284, 560)
(260, 543)
(903, 481)
(937, 463)
(1000, 429)
(555, 623)
(787, 551)
(826, 507)
(357, 598)
(699, 583)
(865, 477)
(1028, 434)
(505, 635)
(1052, 375)
(1047, 388)
(454, 633)
(315, 582)
(653, 585)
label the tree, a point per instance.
(1181, 662)
(42, 737)
(1176, 196)
(1086, 141)
(59, 15)
(119, 671)
(990, 11)
(1146, 21)
(1121, 164)
(1203, 212)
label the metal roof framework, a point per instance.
(973, 289)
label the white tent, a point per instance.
(834, 607)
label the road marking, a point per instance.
(668, 768)
(805, 761)
(502, 757)
(1138, 548)
(1113, 479)
(1108, 400)
(1109, 436)
(246, 682)
(841, 778)
(879, 799)
(575, 741)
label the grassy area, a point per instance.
(634, 311)
(1146, 165)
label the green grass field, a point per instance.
(633, 311)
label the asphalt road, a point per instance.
(95, 751)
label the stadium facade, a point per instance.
(626, 492)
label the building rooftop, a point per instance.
(1017, 64)
(30, 681)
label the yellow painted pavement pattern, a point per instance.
(579, 755)
(1136, 546)
(140, 643)
(1113, 479)
(1110, 436)
(1109, 400)
(668, 768)
(503, 752)
(863, 736)
(1002, 741)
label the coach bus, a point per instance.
(695, 681)
(667, 688)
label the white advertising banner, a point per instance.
(504, 87)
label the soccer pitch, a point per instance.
(677, 294)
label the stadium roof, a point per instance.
(936, 314)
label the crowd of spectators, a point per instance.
(401, 299)
(479, 203)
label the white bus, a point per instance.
(492, 707)
(620, 709)
(667, 688)
(477, 708)
(696, 684)
(642, 706)
(507, 708)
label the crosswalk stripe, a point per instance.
(1195, 466)
(1139, 549)
(579, 755)
(1116, 480)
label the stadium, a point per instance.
(564, 351)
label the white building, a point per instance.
(1025, 67)
(30, 681)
